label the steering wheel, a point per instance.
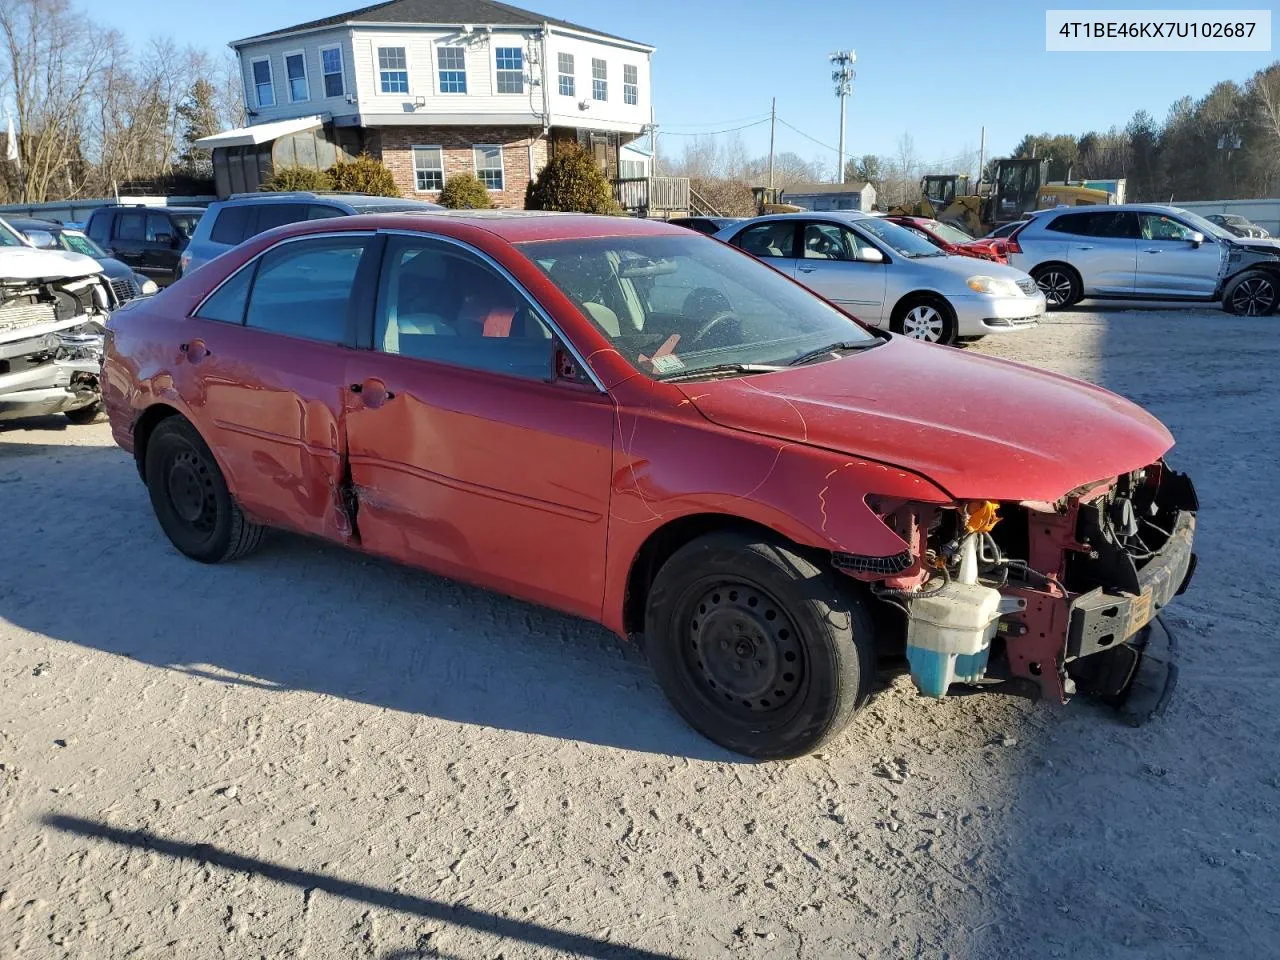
(717, 320)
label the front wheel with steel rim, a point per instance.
(1252, 294)
(925, 318)
(1060, 285)
(758, 649)
(190, 496)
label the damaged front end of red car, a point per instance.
(1045, 599)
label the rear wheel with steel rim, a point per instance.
(190, 496)
(758, 649)
(1252, 294)
(1060, 285)
(930, 319)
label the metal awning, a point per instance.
(258, 133)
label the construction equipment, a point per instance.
(767, 201)
(1021, 185)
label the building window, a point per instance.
(393, 70)
(510, 69)
(599, 79)
(489, 166)
(632, 169)
(295, 69)
(630, 85)
(428, 168)
(262, 87)
(331, 67)
(453, 69)
(567, 87)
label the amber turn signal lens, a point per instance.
(981, 516)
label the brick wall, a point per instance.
(395, 145)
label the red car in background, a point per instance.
(952, 239)
(633, 423)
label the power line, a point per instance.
(807, 137)
(716, 123)
(712, 133)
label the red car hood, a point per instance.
(978, 427)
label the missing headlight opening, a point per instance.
(1046, 598)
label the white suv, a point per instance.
(1145, 252)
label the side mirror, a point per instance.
(166, 238)
(1197, 238)
(870, 255)
(42, 239)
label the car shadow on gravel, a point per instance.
(460, 915)
(302, 615)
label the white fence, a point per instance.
(1265, 213)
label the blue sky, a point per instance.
(938, 70)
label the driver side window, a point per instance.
(827, 241)
(1157, 227)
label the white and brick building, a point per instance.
(436, 87)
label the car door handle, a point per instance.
(373, 392)
(1150, 250)
(1084, 246)
(805, 269)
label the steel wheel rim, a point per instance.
(189, 486)
(1055, 286)
(742, 650)
(923, 323)
(1254, 297)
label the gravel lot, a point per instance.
(311, 754)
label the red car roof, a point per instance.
(515, 226)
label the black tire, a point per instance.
(1060, 285)
(926, 318)
(83, 415)
(1255, 293)
(802, 656)
(191, 499)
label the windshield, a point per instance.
(78, 243)
(9, 237)
(949, 233)
(900, 239)
(676, 305)
(1207, 227)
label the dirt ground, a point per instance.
(312, 754)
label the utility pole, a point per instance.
(773, 129)
(843, 75)
(982, 155)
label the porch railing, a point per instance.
(652, 194)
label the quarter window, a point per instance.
(453, 69)
(564, 64)
(393, 70)
(630, 85)
(331, 67)
(232, 225)
(489, 166)
(510, 62)
(262, 86)
(428, 168)
(295, 68)
(1121, 225)
(599, 79)
(303, 289)
(227, 303)
(436, 302)
(772, 240)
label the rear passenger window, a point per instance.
(777, 239)
(231, 226)
(303, 289)
(227, 303)
(130, 226)
(1100, 223)
(277, 215)
(99, 227)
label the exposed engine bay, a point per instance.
(51, 337)
(1046, 599)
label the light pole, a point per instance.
(843, 75)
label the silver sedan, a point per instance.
(888, 276)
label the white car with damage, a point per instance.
(54, 305)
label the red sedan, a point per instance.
(951, 239)
(636, 424)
